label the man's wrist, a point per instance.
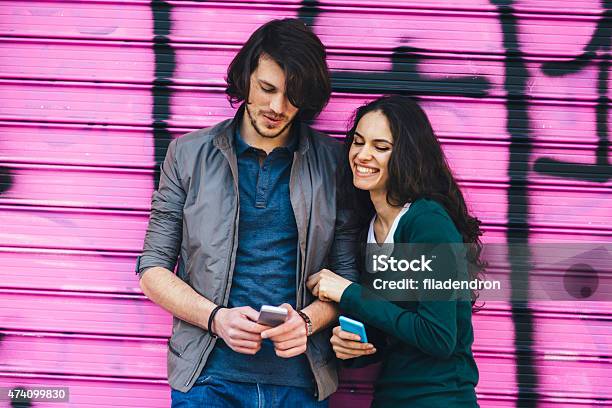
(307, 322)
(211, 320)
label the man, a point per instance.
(248, 208)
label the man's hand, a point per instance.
(290, 337)
(347, 345)
(238, 329)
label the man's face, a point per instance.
(270, 112)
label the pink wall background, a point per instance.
(92, 91)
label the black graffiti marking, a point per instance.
(405, 78)
(515, 84)
(601, 171)
(165, 65)
(308, 12)
(6, 179)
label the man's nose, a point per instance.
(278, 103)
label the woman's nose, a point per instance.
(364, 153)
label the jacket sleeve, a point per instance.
(432, 328)
(343, 256)
(164, 232)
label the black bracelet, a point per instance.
(210, 321)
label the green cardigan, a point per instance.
(428, 361)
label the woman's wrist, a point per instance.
(348, 293)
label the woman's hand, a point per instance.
(327, 286)
(347, 345)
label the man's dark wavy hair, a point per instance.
(417, 169)
(298, 51)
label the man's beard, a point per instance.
(258, 130)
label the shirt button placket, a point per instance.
(262, 184)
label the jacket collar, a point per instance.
(224, 139)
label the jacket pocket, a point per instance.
(173, 349)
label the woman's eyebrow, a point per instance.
(375, 140)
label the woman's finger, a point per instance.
(313, 280)
(343, 356)
(353, 352)
(351, 344)
(323, 297)
(321, 293)
(315, 290)
(344, 335)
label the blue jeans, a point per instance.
(214, 392)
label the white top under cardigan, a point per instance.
(389, 237)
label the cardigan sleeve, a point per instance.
(432, 328)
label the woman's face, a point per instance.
(370, 152)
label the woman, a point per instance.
(403, 191)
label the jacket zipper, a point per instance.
(229, 261)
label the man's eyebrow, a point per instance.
(375, 140)
(261, 81)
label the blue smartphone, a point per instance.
(353, 326)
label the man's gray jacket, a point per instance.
(194, 220)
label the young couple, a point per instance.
(263, 210)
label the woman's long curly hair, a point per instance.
(417, 169)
